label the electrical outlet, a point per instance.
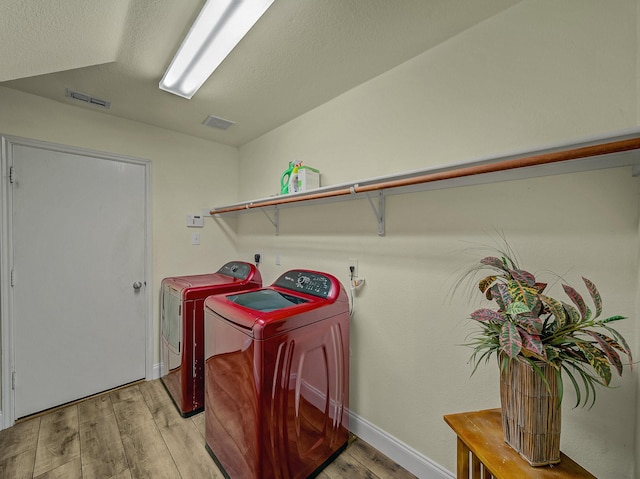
(353, 264)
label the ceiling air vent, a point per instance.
(215, 122)
(76, 95)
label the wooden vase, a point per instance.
(531, 412)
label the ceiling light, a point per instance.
(219, 27)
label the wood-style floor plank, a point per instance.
(345, 466)
(130, 409)
(146, 451)
(20, 438)
(377, 462)
(19, 466)
(160, 405)
(148, 455)
(58, 440)
(102, 449)
(95, 408)
(123, 475)
(188, 451)
(181, 436)
(68, 470)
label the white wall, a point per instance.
(539, 73)
(188, 174)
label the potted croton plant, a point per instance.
(536, 338)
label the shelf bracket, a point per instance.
(276, 219)
(379, 211)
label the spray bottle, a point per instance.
(294, 186)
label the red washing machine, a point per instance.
(182, 326)
(277, 377)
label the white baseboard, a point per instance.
(406, 456)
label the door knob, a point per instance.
(137, 285)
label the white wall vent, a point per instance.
(76, 95)
(215, 122)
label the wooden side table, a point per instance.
(483, 454)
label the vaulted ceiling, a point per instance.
(300, 54)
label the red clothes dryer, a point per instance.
(277, 377)
(182, 326)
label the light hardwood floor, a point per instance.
(136, 432)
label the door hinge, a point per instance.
(13, 380)
(13, 276)
(11, 175)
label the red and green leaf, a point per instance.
(621, 344)
(532, 345)
(485, 315)
(522, 276)
(585, 313)
(500, 294)
(595, 295)
(607, 346)
(540, 287)
(510, 340)
(597, 360)
(494, 263)
(531, 324)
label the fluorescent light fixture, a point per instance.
(219, 27)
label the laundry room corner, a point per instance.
(268, 242)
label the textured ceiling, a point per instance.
(301, 54)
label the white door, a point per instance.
(79, 309)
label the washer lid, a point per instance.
(266, 300)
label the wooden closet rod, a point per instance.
(534, 160)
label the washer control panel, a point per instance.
(236, 269)
(306, 282)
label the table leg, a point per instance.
(463, 460)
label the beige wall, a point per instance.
(541, 72)
(187, 175)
